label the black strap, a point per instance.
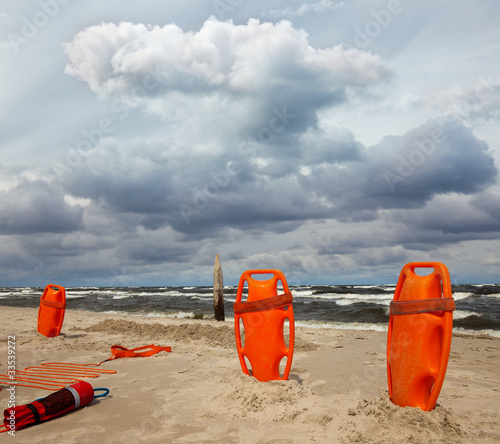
(35, 413)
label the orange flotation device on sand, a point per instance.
(51, 311)
(118, 351)
(419, 336)
(59, 403)
(263, 316)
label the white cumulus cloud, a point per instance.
(114, 58)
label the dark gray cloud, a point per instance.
(263, 142)
(323, 176)
(488, 203)
(37, 206)
(441, 156)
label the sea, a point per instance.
(354, 307)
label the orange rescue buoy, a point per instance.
(263, 316)
(51, 311)
(419, 336)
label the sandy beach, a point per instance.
(337, 391)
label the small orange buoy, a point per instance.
(263, 316)
(51, 311)
(419, 336)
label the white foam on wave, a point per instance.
(89, 291)
(462, 314)
(122, 296)
(148, 293)
(485, 285)
(369, 286)
(342, 325)
(354, 297)
(487, 332)
(75, 296)
(158, 314)
(301, 293)
(459, 295)
(186, 295)
(345, 302)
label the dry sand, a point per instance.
(337, 391)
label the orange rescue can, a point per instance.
(263, 316)
(51, 311)
(419, 335)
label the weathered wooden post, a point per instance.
(218, 291)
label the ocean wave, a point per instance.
(460, 295)
(369, 286)
(342, 325)
(301, 293)
(462, 314)
(487, 332)
(353, 296)
(344, 302)
(345, 306)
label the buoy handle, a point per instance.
(262, 289)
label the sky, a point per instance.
(333, 140)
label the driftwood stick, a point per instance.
(218, 291)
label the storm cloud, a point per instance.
(275, 143)
(37, 206)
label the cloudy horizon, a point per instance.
(335, 141)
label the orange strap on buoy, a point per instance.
(424, 306)
(419, 335)
(263, 316)
(117, 351)
(265, 304)
(52, 304)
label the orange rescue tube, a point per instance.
(51, 311)
(263, 317)
(419, 336)
(59, 403)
